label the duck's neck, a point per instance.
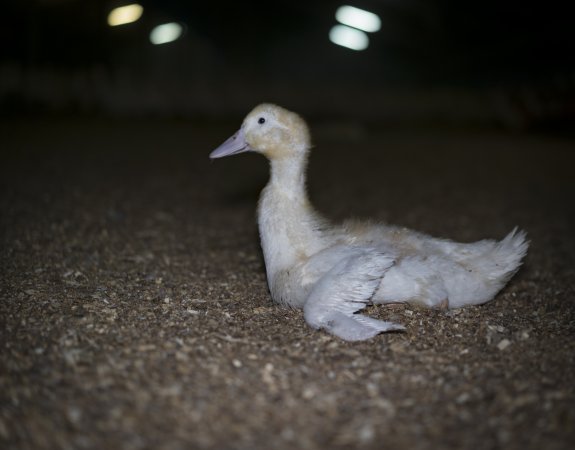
(290, 229)
(288, 176)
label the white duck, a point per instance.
(332, 272)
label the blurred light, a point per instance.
(168, 32)
(348, 37)
(358, 18)
(125, 14)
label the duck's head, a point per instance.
(270, 130)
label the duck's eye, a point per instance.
(261, 120)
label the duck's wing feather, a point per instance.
(346, 289)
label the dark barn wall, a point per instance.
(489, 63)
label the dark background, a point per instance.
(503, 63)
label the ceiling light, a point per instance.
(167, 32)
(125, 14)
(348, 37)
(358, 18)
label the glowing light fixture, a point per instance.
(168, 32)
(125, 14)
(348, 37)
(358, 18)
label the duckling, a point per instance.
(333, 271)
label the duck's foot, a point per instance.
(357, 327)
(343, 291)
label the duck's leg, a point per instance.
(346, 289)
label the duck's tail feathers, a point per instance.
(488, 270)
(506, 256)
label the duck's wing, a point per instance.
(345, 289)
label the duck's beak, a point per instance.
(236, 144)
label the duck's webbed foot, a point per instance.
(346, 289)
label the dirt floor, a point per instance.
(134, 311)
